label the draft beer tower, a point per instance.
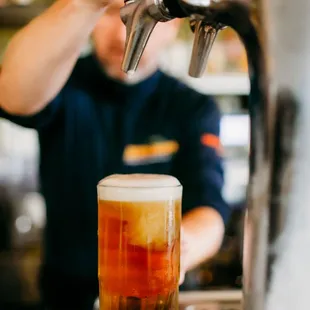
(274, 33)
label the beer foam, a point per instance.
(139, 187)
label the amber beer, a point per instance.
(139, 241)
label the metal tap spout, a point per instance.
(205, 35)
(140, 18)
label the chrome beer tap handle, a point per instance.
(141, 16)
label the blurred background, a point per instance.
(22, 208)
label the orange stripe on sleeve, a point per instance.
(212, 141)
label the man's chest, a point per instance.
(124, 139)
(145, 142)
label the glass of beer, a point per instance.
(139, 219)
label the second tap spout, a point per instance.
(205, 35)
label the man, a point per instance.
(91, 118)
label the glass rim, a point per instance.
(138, 187)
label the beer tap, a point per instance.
(278, 97)
(207, 17)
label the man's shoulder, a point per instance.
(186, 99)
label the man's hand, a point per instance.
(201, 237)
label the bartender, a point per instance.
(89, 115)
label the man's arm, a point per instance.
(202, 234)
(41, 56)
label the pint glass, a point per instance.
(139, 219)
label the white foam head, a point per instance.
(139, 187)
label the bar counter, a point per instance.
(211, 300)
(208, 300)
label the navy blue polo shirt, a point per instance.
(96, 127)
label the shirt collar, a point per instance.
(116, 90)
